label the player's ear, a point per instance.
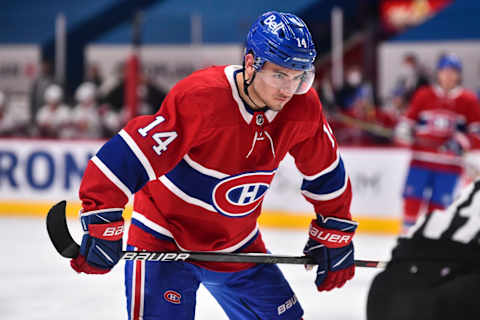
(249, 69)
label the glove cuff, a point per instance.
(109, 231)
(330, 238)
(79, 264)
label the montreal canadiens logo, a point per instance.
(240, 195)
(172, 296)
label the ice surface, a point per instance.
(36, 283)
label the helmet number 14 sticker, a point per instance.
(163, 139)
(301, 43)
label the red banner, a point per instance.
(400, 14)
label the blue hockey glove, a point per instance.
(330, 244)
(101, 246)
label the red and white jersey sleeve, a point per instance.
(325, 181)
(147, 148)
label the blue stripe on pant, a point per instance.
(169, 291)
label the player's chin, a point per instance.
(278, 104)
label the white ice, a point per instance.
(36, 283)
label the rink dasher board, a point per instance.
(36, 173)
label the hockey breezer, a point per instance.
(67, 247)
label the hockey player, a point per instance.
(434, 273)
(439, 125)
(199, 169)
(54, 118)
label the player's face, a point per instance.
(276, 85)
(448, 78)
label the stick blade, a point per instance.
(58, 231)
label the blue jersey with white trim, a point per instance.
(200, 167)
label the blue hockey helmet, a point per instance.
(283, 39)
(449, 60)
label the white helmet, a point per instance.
(85, 92)
(53, 94)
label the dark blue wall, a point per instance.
(168, 21)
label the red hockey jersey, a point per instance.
(437, 117)
(200, 167)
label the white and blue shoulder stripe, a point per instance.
(124, 164)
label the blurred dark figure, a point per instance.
(325, 92)
(356, 108)
(353, 90)
(397, 103)
(93, 75)
(150, 95)
(412, 76)
(40, 84)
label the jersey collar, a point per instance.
(230, 72)
(452, 94)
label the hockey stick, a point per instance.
(67, 247)
(370, 127)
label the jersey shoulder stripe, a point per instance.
(123, 163)
(138, 153)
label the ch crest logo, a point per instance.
(172, 296)
(240, 195)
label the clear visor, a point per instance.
(298, 84)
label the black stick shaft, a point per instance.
(233, 257)
(67, 247)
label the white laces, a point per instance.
(259, 136)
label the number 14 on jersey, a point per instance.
(163, 139)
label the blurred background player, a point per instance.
(54, 118)
(85, 115)
(91, 121)
(439, 126)
(434, 273)
(215, 159)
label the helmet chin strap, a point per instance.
(247, 84)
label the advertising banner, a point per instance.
(18, 67)
(35, 174)
(49, 170)
(43, 170)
